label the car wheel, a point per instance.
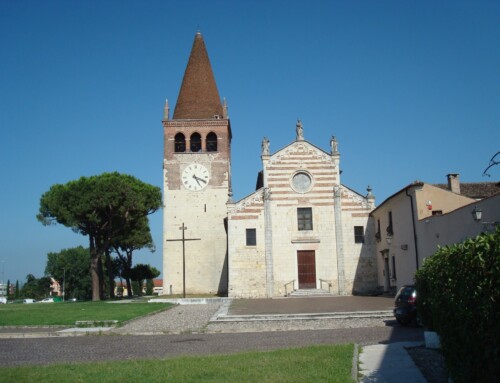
(403, 322)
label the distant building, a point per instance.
(122, 291)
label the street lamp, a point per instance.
(477, 214)
(388, 238)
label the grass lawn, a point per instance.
(330, 363)
(59, 313)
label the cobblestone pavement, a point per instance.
(177, 320)
(196, 319)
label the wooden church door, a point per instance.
(306, 261)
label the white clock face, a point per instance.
(195, 177)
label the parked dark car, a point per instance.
(405, 310)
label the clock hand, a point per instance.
(196, 179)
(199, 179)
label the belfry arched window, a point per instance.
(179, 143)
(211, 142)
(195, 142)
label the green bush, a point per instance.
(459, 297)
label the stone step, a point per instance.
(310, 293)
(310, 316)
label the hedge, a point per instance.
(459, 298)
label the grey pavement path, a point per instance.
(46, 351)
(309, 305)
(389, 363)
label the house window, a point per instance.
(377, 234)
(195, 142)
(211, 142)
(251, 237)
(304, 218)
(393, 276)
(179, 143)
(359, 234)
(390, 230)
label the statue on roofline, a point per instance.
(300, 130)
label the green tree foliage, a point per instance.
(459, 297)
(8, 288)
(70, 267)
(149, 287)
(36, 288)
(137, 237)
(141, 272)
(100, 207)
(136, 289)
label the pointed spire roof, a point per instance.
(198, 97)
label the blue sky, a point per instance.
(410, 89)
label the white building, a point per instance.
(301, 228)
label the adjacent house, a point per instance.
(411, 223)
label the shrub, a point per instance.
(459, 297)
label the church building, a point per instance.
(300, 230)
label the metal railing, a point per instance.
(286, 289)
(321, 281)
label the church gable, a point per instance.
(355, 203)
(299, 151)
(249, 207)
(301, 173)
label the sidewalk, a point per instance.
(389, 363)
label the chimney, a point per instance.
(454, 183)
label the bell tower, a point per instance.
(196, 182)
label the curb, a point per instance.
(221, 317)
(355, 362)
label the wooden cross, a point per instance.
(183, 239)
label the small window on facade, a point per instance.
(304, 218)
(359, 234)
(195, 142)
(437, 212)
(251, 237)
(390, 229)
(393, 276)
(377, 234)
(211, 142)
(179, 143)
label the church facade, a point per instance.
(301, 229)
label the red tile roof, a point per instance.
(476, 190)
(198, 97)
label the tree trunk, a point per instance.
(101, 277)
(129, 288)
(128, 266)
(140, 282)
(94, 270)
(111, 280)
